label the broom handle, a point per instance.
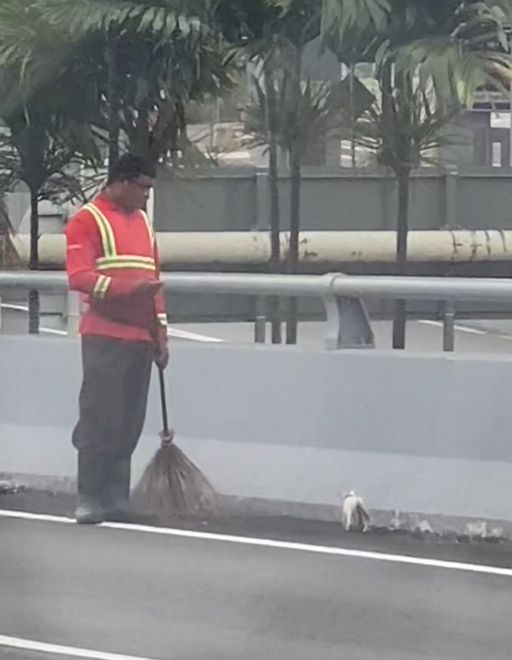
(163, 402)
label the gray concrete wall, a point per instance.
(334, 198)
(420, 434)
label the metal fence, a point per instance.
(347, 323)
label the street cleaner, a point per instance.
(112, 260)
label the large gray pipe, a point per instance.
(316, 247)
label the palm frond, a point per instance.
(455, 73)
(324, 111)
(342, 19)
(405, 131)
(159, 18)
(505, 6)
(465, 51)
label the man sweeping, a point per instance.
(112, 260)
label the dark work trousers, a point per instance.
(113, 402)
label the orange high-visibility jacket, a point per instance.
(108, 252)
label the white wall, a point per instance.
(413, 433)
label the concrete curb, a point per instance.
(421, 524)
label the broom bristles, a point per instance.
(172, 485)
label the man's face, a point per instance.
(135, 194)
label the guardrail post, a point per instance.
(260, 329)
(449, 327)
(348, 324)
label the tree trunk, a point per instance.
(295, 183)
(140, 136)
(33, 296)
(113, 101)
(352, 74)
(273, 175)
(386, 86)
(401, 257)
(293, 256)
(168, 131)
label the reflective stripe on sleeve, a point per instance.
(101, 286)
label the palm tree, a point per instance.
(190, 67)
(275, 32)
(75, 72)
(291, 29)
(48, 158)
(155, 57)
(298, 25)
(456, 48)
(404, 134)
(252, 27)
(444, 48)
(46, 116)
(272, 110)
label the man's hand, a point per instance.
(162, 355)
(147, 288)
(161, 346)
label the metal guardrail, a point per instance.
(347, 321)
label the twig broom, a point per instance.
(171, 484)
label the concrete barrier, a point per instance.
(291, 428)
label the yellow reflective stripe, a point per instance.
(111, 259)
(126, 258)
(107, 235)
(162, 318)
(148, 225)
(126, 264)
(101, 286)
(126, 261)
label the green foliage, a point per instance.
(406, 132)
(458, 52)
(246, 22)
(342, 19)
(124, 17)
(46, 111)
(166, 51)
(55, 81)
(456, 45)
(324, 112)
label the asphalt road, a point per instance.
(139, 593)
(471, 336)
(489, 336)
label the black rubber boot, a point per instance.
(117, 499)
(116, 503)
(91, 485)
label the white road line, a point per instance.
(57, 649)
(53, 331)
(469, 331)
(459, 328)
(15, 308)
(23, 308)
(192, 336)
(437, 324)
(38, 517)
(281, 545)
(172, 332)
